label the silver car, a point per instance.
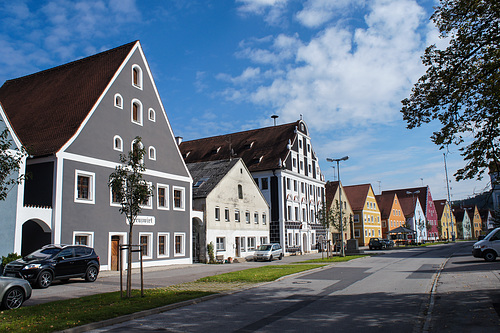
(268, 252)
(13, 292)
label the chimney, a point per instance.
(178, 139)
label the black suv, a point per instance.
(56, 262)
(375, 244)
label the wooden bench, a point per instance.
(293, 250)
(219, 258)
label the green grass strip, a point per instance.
(59, 315)
(336, 259)
(259, 274)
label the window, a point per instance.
(152, 115)
(148, 203)
(242, 244)
(297, 239)
(356, 218)
(179, 198)
(295, 185)
(251, 243)
(83, 238)
(162, 196)
(114, 198)
(236, 215)
(220, 243)
(264, 219)
(356, 233)
(297, 214)
(152, 153)
(247, 217)
(136, 115)
(119, 101)
(263, 240)
(265, 183)
(256, 218)
(217, 214)
(288, 183)
(117, 143)
(179, 244)
(163, 246)
(290, 239)
(226, 215)
(84, 187)
(240, 192)
(289, 212)
(137, 76)
(146, 244)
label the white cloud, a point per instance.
(319, 12)
(271, 10)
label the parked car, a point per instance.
(268, 252)
(375, 244)
(56, 262)
(387, 243)
(489, 247)
(13, 292)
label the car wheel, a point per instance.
(490, 256)
(13, 298)
(281, 256)
(45, 279)
(271, 258)
(91, 274)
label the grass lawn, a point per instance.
(336, 259)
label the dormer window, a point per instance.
(117, 143)
(249, 145)
(215, 151)
(119, 101)
(136, 113)
(152, 115)
(137, 76)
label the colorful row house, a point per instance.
(391, 213)
(446, 220)
(336, 199)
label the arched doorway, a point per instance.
(35, 234)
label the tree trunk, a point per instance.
(129, 263)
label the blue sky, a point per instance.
(223, 66)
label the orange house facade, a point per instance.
(366, 214)
(391, 213)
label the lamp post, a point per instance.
(345, 158)
(413, 199)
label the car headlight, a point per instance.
(32, 266)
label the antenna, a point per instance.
(274, 116)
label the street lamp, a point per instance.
(345, 158)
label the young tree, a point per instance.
(330, 217)
(131, 190)
(10, 162)
(461, 87)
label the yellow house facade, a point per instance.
(366, 218)
(333, 192)
(446, 221)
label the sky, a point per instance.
(223, 66)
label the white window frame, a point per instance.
(217, 213)
(264, 218)
(152, 156)
(243, 244)
(89, 234)
(251, 243)
(167, 197)
(256, 217)
(111, 202)
(183, 244)
(91, 199)
(118, 105)
(139, 76)
(140, 112)
(183, 198)
(149, 205)
(237, 215)
(167, 245)
(247, 217)
(149, 235)
(120, 148)
(217, 243)
(152, 115)
(263, 240)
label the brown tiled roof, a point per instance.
(439, 204)
(261, 149)
(385, 202)
(422, 195)
(331, 189)
(47, 108)
(357, 195)
(408, 206)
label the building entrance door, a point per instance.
(237, 242)
(115, 248)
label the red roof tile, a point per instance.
(47, 108)
(357, 195)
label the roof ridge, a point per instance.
(72, 63)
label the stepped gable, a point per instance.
(47, 108)
(261, 149)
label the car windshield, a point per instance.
(264, 248)
(43, 253)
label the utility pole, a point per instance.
(449, 199)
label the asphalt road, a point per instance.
(433, 289)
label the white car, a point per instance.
(489, 247)
(13, 292)
(268, 252)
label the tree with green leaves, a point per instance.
(330, 217)
(129, 188)
(10, 162)
(461, 87)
